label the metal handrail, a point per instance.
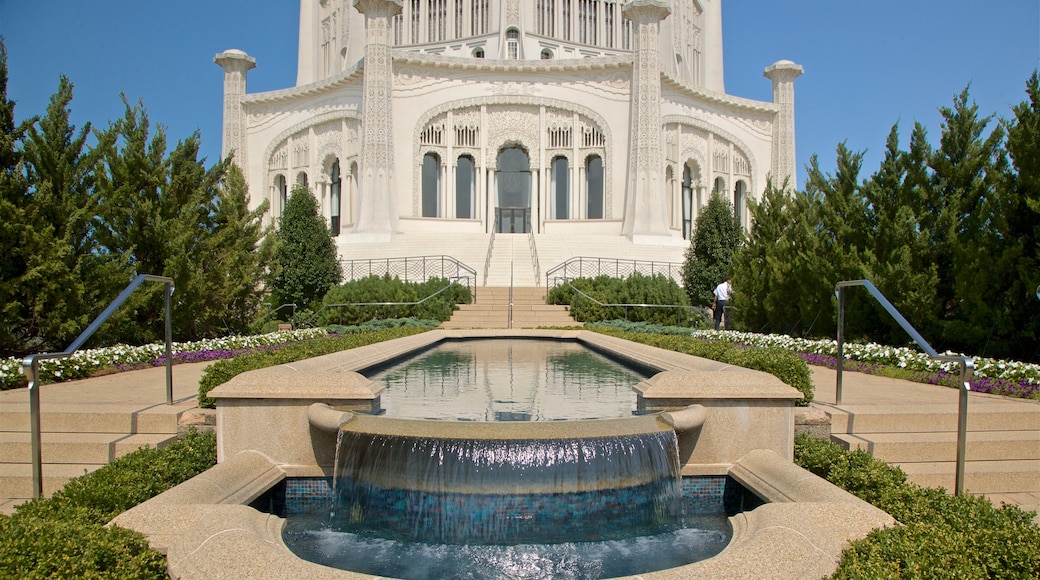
(426, 266)
(491, 246)
(967, 366)
(31, 368)
(271, 312)
(310, 321)
(680, 307)
(608, 266)
(534, 256)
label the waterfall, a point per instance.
(507, 491)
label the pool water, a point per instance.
(600, 544)
(508, 380)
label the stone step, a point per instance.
(928, 419)
(913, 447)
(92, 418)
(979, 476)
(77, 448)
(16, 478)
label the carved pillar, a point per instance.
(377, 214)
(783, 73)
(645, 196)
(236, 65)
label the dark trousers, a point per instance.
(720, 311)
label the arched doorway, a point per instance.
(513, 191)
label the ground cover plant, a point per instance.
(224, 370)
(938, 535)
(65, 536)
(779, 362)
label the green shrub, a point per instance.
(65, 536)
(779, 362)
(636, 289)
(376, 290)
(939, 536)
(222, 371)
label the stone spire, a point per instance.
(783, 73)
(645, 194)
(236, 65)
(377, 207)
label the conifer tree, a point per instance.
(708, 258)
(307, 266)
(13, 224)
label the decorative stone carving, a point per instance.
(645, 196)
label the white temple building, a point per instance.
(592, 127)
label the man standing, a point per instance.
(722, 292)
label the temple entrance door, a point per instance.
(513, 192)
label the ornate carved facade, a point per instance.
(588, 115)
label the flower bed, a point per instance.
(88, 362)
(1009, 378)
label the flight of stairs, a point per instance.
(76, 439)
(1003, 442)
(491, 310)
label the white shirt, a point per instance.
(722, 291)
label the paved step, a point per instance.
(929, 447)
(980, 477)
(92, 418)
(931, 418)
(16, 478)
(491, 310)
(78, 448)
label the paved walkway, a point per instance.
(144, 390)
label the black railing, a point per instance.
(585, 267)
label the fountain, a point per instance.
(724, 424)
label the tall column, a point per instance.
(377, 218)
(783, 73)
(646, 206)
(236, 65)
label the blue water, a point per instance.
(701, 532)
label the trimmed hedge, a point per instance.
(65, 536)
(939, 536)
(779, 362)
(223, 371)
(636, 289)
(375, 289)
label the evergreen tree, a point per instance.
(901, 269)
(68, 275)
(238, 258)
(14, 197)
(708, 258)
(764, 265)
(307, 266)
(968, 171)
(1022, 208)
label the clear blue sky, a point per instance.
(868, 65)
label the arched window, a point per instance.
(431, 186)
(478, 52)
(513, 44)
(739, 201)
(335, 197)
(561, 189)
(282, 191)
(594, 187)
(547, 54)
(720, 186)
(465, 179)
(687, 201)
